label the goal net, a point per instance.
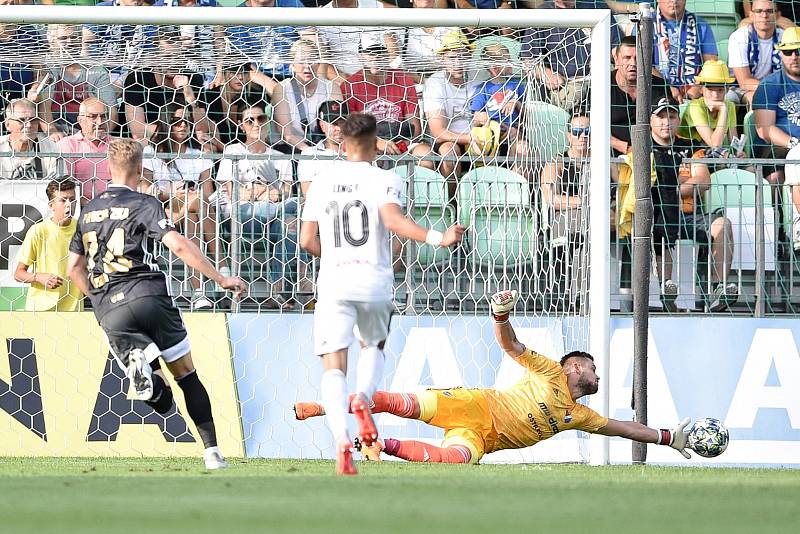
(489, 116)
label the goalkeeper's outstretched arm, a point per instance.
(675, 438)
(502, 303)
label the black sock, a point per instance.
(199, 406)
(161, 401)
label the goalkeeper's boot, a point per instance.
(304, 410)
(344, 459)
(140, 374)
(371, 454)
(367, 431)
(213, 459)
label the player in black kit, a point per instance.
(112, 261)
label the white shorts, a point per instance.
(792, 170)
(335, 320)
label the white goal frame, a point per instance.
(598, 20)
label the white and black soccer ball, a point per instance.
(708, 437)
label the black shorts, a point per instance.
(772, 152)
(152, 324)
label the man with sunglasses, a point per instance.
(777, 105)
(23, 135)
(92, 173)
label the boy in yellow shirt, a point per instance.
(42, 258)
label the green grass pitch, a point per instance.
(149, 496)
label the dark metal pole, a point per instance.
(642, 143)
(759, 311)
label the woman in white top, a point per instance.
(184, 185)
(297, 98)
(265, 201)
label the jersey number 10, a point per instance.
(340, 229)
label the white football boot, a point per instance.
(140, 374)
(213, 459)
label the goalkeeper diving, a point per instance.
(483, 420)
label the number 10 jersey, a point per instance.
(116, 233)
(356, 261)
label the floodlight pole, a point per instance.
(642, 143)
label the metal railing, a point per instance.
(548, 268)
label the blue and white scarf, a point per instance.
(678, 54)
(753, 51)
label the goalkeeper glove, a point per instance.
(502, 303)
(676, 437)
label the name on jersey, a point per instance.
(551, 420)
(345, 188)
(114, 214)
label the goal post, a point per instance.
(578, 318)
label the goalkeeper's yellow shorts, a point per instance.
(463, 414)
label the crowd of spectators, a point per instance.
(188, 91)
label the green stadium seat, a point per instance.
(749, 129)
(495, 204)
(546, 130)
(733, 191)
(734, 188)
(428, 206)
(725, 7)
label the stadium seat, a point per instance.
(726, 7)
(495, 204)
(749, 129)
(733, 193)
(428, 206)
(721, 15)
(546, 127)
(734, 188)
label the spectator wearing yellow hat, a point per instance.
(711, 119)
(777, 107)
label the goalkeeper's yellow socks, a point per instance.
(417, 451)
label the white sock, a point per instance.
(334, 399)
(369, 371)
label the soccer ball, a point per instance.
(708, 437)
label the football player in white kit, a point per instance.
(348, 220)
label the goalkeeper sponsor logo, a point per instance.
(535, 426)
(62, 394)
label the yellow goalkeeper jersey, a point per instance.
(537, 407)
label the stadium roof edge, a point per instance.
(46, 14)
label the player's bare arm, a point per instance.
(77, 271)
(194, 258)
(309, 238)
(675, 438)
(396, 222)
